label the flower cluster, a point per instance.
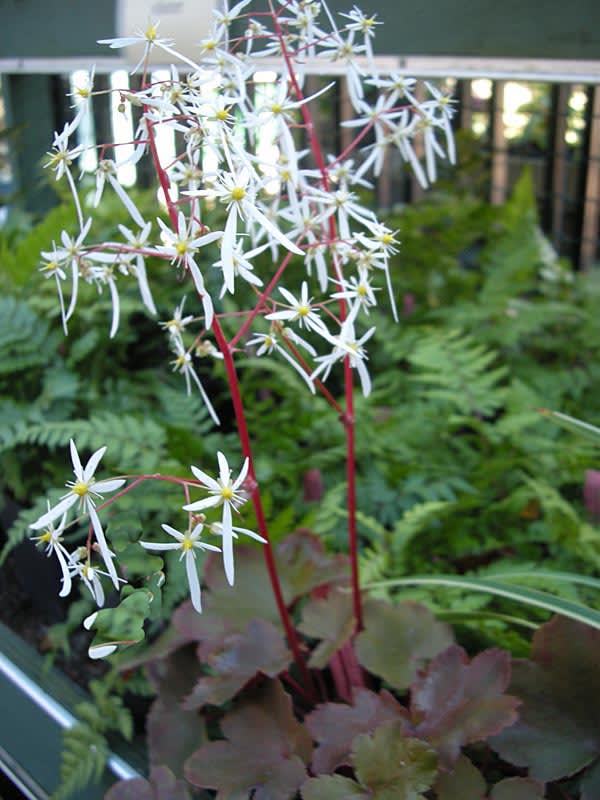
(277, 209)
(85, 491)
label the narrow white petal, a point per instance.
(66, 575)
(126, 200)
(275, 232)
(209, 482)
(92, 464)
(108, 486)
(158, 547)
(101, 650)
(227, 534)
(205, 397)
(227, 246)
(114, 295)
(252, 535)
(192, 576)
(173, 532)
(224, 471)
(142, 280)
(199, 505)
(55, 512)
(77, 468)
(242, 476)
(100, 538)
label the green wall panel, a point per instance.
(486, 28)
(54, 28)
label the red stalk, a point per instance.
(348, 417)
(240, 416)
(246, 447)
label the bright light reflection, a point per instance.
(88, 160)
(122, 129)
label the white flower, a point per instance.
(181, 245)
(183, 365)
(84, 490)
(223, 492)
(300, 311)
(52, 538)
(187, 543)
(346, 345)
(176, 325)
(139, 241)
(268, 342)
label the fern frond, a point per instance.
(83, 758)
(461, 372)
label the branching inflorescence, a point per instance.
(278, 205)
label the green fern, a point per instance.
(25, 338)
(83, 759)
(461, 371)
(134, 444)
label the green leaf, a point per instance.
(393, 766)
(122, 625)
(332, 787)
(572, 424)
(520, 594)
(335, 725)
(398, 639)
(557, 733)
(456, 702)
(265, 750)
(517, 789)
(330, 619)
(465, 782)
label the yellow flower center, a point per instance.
(238, 193)
(222, 114)
(181, 248)
(187, 544)
(227, 492)
(276, 108)
(81, 488)
(303, 310)
(388, 238)
(46, 537)
(151, 33)
(362, 291)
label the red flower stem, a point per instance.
(348, 416)
(264, 296)
(240, 416)
(238, 406)
(320, 386)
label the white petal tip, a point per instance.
(101, 650)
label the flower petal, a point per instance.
(192, 576)
(53, 513)
(92, 464)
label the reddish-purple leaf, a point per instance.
(335, 726)
(173, 733)
(398, 639)
(161, 786)
(265, 750)
(457, 702)
(330, 619)
(558, 731)
(259, 649)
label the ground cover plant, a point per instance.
(306, 666)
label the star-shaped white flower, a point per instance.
(83, 490)
(187, 543)
(223, 492)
